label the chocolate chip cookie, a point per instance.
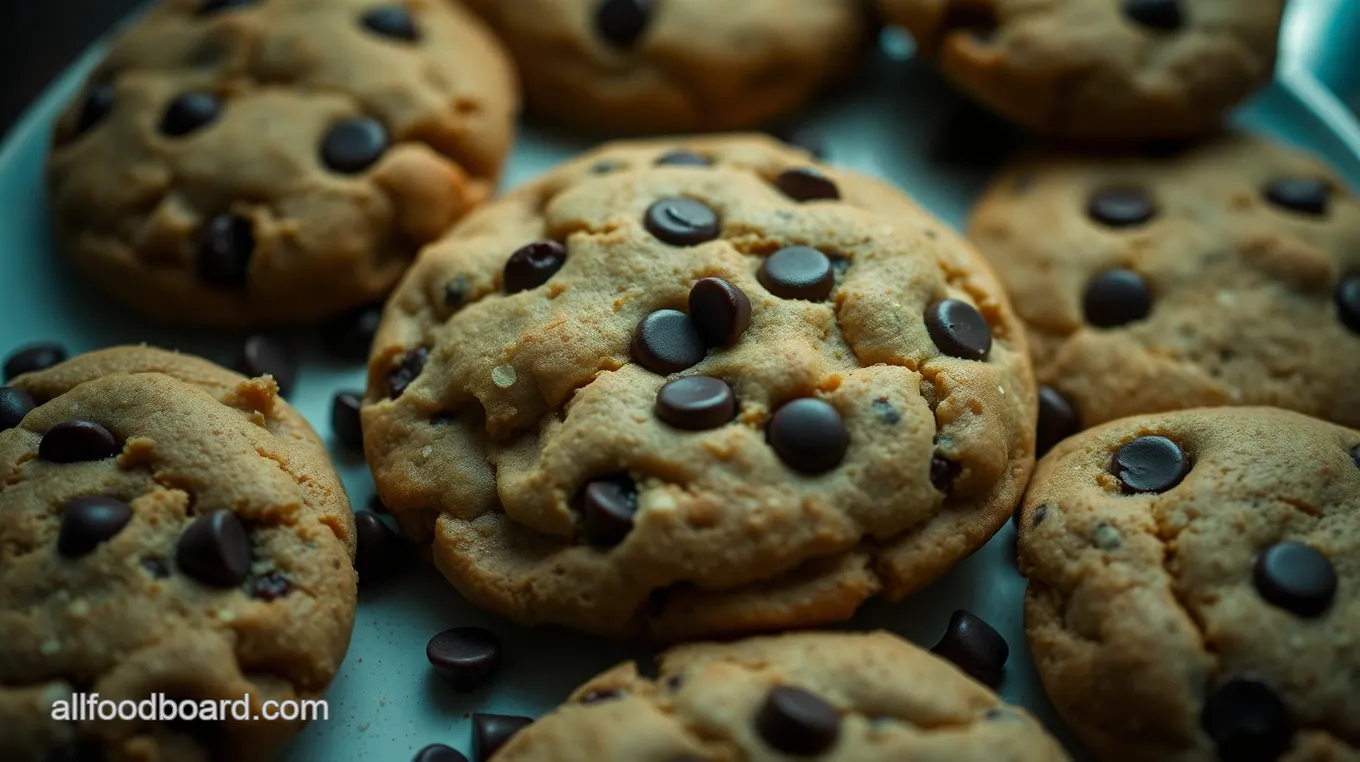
(844, 696)
(1194, 586)
(734, 392)
(166, 527)
(1101, 70)
(650, 66)
(251, 163)
(1228, 274)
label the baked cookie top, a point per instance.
(843, 696)
(1194, 586)
(166, 526)
(698, 386)
(1102, 70)
(649, 66)
(1228, 274)
(252, 163)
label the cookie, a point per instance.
(652, 66)
(1194, 586)
(168, 529)
(843, 696)
(1227, 274)
(737, 393)
(254, 163)
(1100, 70)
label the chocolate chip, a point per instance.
(98, 103)
(376, 504)
(596, 697)
(1058, 420)
(1348, 303)
(1296, 577)
(1162, 15)
(491, 731)
(406, 371)
(438, 752)
(958, 329)
(807, 184)
(1121, 207)
(943, 472)
(345, 420)
(349, 335)
(1247, 720)
(391, 21)
(1115, 298)
(188, 113)
(1040, 514)
(215, 550)
(607, 507)
(605, 167)
(681, 221)
(88, 521)
(1304, 195)
(667, 341)
(696, 403)
(886, 412)
(673, 682)
(808, 139)
(466, 657)
(1107, 537)
(15, 403)
(720, 311)
(353, 145)
(683, 157)
(975, 647)
(76, 441)
(809, 435)
(1150, 464)
(1355, 456)
(270, 587)
(34, 357)
(216, 6)
(456, 291)
(798, 272)
(622, 23)
(223, 250)
(798, 722)
(156, 567)
(380, 552)
(263, 356)
(531, 266)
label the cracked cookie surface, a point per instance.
(1101, 70)
(166, 526)
(1194, 586)
(255, 163)
(637, 397)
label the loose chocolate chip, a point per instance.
(809, 435)
(531, 266)
(380, 552)
(188, 113)
(391, 21)
(216, 6)
(943, 472)
(607, 507)
(1247, 721)
(223, 250)
(1116, 297)
(353, 145)
(721, 312)
(683, 157)
(215, 550)
(349, 335)
(798, 722)
(1296, 577)
(76, 441)
(98, 103)
(696, 403)
(1058, 420)
(682, 221)
(807, 184)
(1304, 195)
(88, 521)
(407, 370)
(667, 341)
(14, 405)
(491, 731)
(345, 419)
(1162, 15)
(958, 329)
(438, 752)
(798, 272)
(1121, 207)
(1150, 464)
(264, 356)
(32, 358)
(1348, 303)
(975, 647)
(622, 23)
(270, 587)
(466, 657)
(596, 697)
(809, 139)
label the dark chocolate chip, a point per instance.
(31, 358)
(270, 587)
(76, 441)
(943, 472)
(215, 550)
(808, 139)
(466, 657)
(1247, 720)
(156, 567)
(262, 355)
(456, 291)
(223, 250)
(353, 145)
(798, 272)
(438, 752)
(696, 403)
(491, 731)
(1296, 577)
(217, 6)
(15, 403)
(1040, 514)
(532, 265)
(88, 521)
(1121, 207)
(406, 371)
(1058, 420)
(1150, 464)
(376, 504)
(1348, 303)
(1162, 15)
(807, 184)
(190, 112)
(1303, 195)
(681, 221)
(605, 167)
(886, 412)
(380, 552)
(391, 21)
(345, 420)
(96, 107)
(674, 682)
(349, 335)
(721, 312)
(597, 697)
(798, 722)
(975, 647)
(683, 157)
(1115, 298)
(607, 507)
(622, 23)
(809, 435)
(958, 329)
(1355, 456)
(667, 341)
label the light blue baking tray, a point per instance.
(386, 703)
